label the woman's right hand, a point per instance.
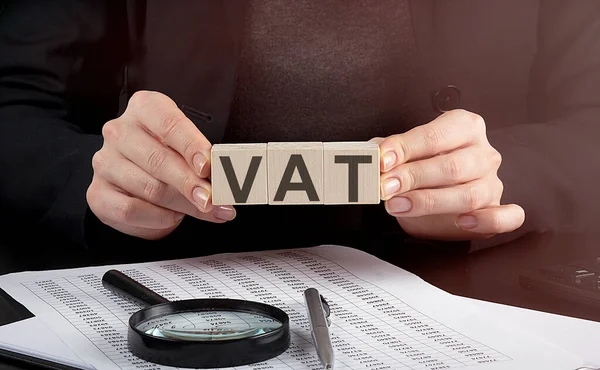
(152, 170)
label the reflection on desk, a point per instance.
(494, 274)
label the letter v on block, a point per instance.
(239, 174)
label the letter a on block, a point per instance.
(351, 173)
(239, 174)
(295, 173)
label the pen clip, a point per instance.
(326, 309)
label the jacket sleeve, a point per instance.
(61, 68)
(551, 165)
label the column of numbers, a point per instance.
(289, 284)
(425, 329)
(428, 332)
(104, 330)
(351, 323)
(376, 331)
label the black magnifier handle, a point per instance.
(122, 284)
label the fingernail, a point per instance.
(467, 222)
(201, 197)
(399, 205)
(390, 187)
(389, 158)
(224, 213)
(199, 162)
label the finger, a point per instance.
(161, 116)
(126, 175)
(164, 164)
(450, 131)
(492, 220)
(456, 167)
(114, 206)
(456, 199)
(218, 214)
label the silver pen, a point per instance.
(318, 318)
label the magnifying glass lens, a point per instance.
(209, 325)
(200, 333)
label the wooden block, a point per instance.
(239, 174)
(295, 172)
(351, 173)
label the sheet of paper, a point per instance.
(382, 317)
(32, 337)
(578, 336)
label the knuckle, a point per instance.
(472, 198)
(145, 99)
(154, 191)
(433, 138)
(156, 160)
(168, 125)
(401, 148)
(429, 202)
(456, 114)
(454, 169)
(125, 211)
(98, 161)
(141, 99)
(188, 183)
(190, 148)
(473, 120)
(477, 122)
(111, 130)
(500, 187)
(410, 179)
(496, 158)
(91, 195)
(460, 115)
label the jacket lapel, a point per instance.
(422, 15)
(189, 50)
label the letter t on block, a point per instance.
(239, 174)
(351, 173)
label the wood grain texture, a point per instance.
(295, 172)
(239, 174)
(351, 173)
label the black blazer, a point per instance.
(530, 68)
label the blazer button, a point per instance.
(446, 99)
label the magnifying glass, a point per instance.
(200, 333)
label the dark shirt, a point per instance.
(324, 71)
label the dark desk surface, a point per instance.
(491, 274)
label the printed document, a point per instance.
(382, 317)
